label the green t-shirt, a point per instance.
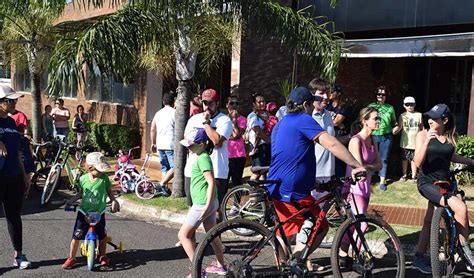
(198, 181)
(387, 118)
(411, 127)
(94, 193)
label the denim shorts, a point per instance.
(166, 160)
(262, 156)
(82, 227)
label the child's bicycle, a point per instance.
(90, 248)
(444, 243)
(144, 188)
(363, 246)
(124, 171)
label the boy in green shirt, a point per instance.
(204, 199)
(95, 186)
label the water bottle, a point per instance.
(303, 235)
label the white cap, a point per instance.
(7, 92)
(97, 160)
(409, 100)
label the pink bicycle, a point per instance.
(125, 171)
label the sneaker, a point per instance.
(214, 268)
(314, 266)
(104, 261)
(420, 265)
(468, 258)
(160, 188)
(69, 263)
(234, 210)
(21, 262)
(383, 187)
(403, 178)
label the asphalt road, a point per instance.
(149, 247)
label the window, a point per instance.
(102, 87)
(23, 81)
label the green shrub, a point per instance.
(110, 138)
(465, 147)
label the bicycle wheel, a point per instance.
(242, 202)
(335, 218)
(145, 190)
(243, 256)
(442, 260)
(38, 180)
(376, 251)
(50, 185)
(90, 249)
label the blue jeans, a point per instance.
(166, 160)
(61, 131)
(384, 145)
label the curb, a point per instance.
(148, 213)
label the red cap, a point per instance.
(210, 94)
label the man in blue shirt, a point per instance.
(294, 163)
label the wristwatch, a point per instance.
(206, 122)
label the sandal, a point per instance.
(403, 178)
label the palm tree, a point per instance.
(28, 36)
(183, 30)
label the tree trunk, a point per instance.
(182, 115)
(36, 106)
(185, 67)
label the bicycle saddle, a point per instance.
(260, 169)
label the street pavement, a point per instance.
(149, 247)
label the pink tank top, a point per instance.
(369, 156)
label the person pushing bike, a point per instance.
(293, 162)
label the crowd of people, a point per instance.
(305, 142)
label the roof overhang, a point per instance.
(447, 45)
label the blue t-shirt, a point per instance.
(10, 136)
(293, 160)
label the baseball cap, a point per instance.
(210, 95)
(409, 100)
(271, 106)
(97, 160)
(196, 136)
(438, 111)
(301, 94)
(8, 92)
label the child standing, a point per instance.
(95, 187)
(409, 123)
(204, 197)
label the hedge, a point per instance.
(465, 147)
(110, 138)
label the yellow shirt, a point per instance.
(411, 123)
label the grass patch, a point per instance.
(398, 193)
(169, 203)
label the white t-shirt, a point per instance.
(252, 121)
(164, 121)
(325, 160)
(281, 112)
(220, 156)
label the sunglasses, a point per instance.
(8, 100)
(57, 103)
(208, 102)
(381, 95)
(233, 103)
(377, 119)
(410, 104)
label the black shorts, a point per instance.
(81, 227)
(408, 154)
(431, 192)
(262, 156)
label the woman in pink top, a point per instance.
(365, 151)
(236, 145)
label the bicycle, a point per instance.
(89, 248)
(63, 160)
(124, 170)
(144, 188)
(240, 203)
(444, 243)
(368, 251)
(44, 156)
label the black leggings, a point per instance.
(11, 196)
(236, 170)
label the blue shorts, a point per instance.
(166, 160)
(262, 156)
(82, 227)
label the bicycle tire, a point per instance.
(51, 184)
(145, 190)
(250, 208)
(38, 180)
(374, 263)
(90, 247)
(442, 262)
(266, 260)
(335, 219)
